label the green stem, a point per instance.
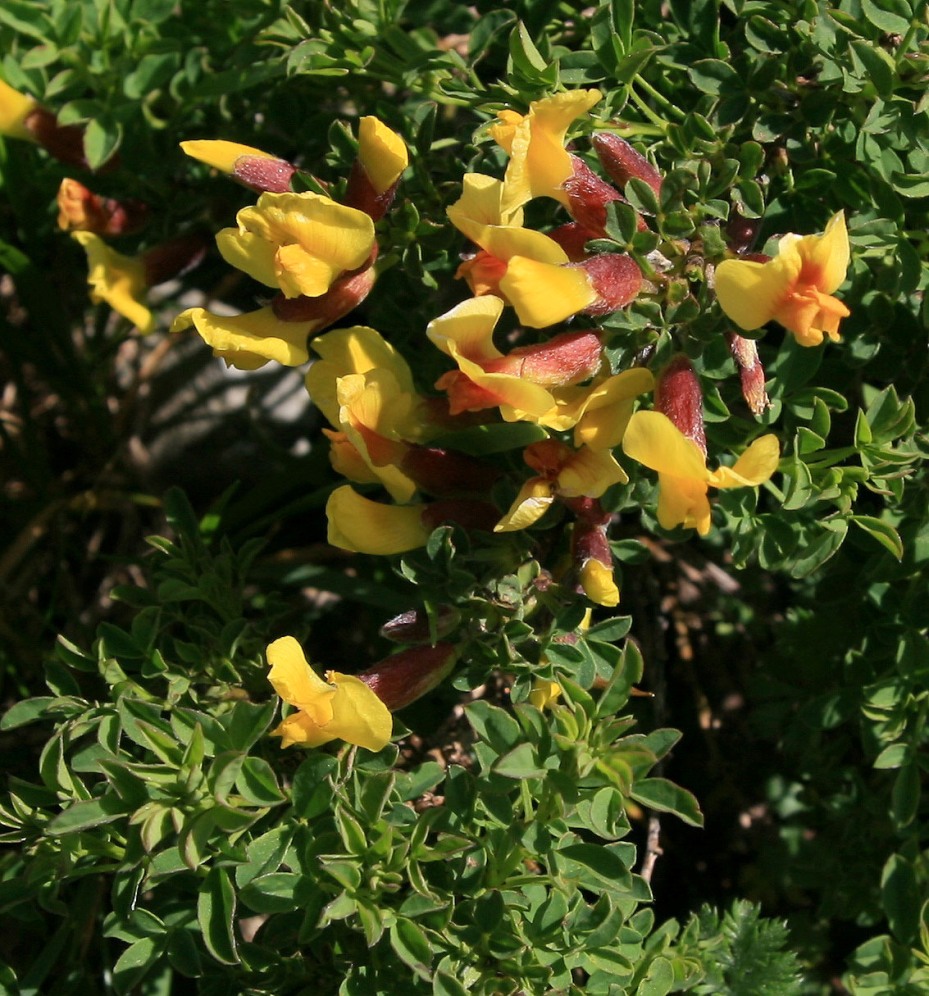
(660, 99)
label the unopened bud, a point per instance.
(467, 513)
(567, 358)
(573, 238)
(588, 196)
(741, 232)
(408, 675)
(257, 170)
(172, 258)
(361, 194)
(64, 142)
(591, 553)
(679, 396)
(264, 175)
(79, 209)
(446, 472)
(615, 277)
(751, 372)
(375, 175)
(622, 162)
(416, 626)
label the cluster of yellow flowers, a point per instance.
(318, 257)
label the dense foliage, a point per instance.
(713, 786)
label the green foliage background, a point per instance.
(149, 821)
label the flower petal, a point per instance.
(533, 501)
(750, 293)
(296, 682)
(15, 107)
(653, 440)
(221, 155)
(364, 526)
(382, 153)
(544, 294)
(682, 501)
(347, 351)
(754, 466)
(249, 341)
(358, 715)
(117, 280)
(598, 583)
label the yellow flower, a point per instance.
(363, 526)
(15, 108)
(300, 243)
(544, 693)
(341, 708)
(539, 163)
(683, 478)
(368, 403)
(521, 383)
(221, 155)
(361, 350)
(562, 472)
(117, 280)
(381, 152)
(249, 341)
(596, 578)
(601, 411)
(794, 289)
(524, 267)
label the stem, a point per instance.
(659, 98)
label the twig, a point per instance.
(652, 847)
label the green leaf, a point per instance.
(714, 76)
(666, 797)
(27, 711)
(519, 763)
(272, 893)
(133, 964)
(904, 797)
(901, 897)
(884, 19)
(216, 903)
(85, 815)
(594, 866)
(494, 725)
(882, 531)
(824, 546)
(102, 138)
(412, 946)
(257, 783)
(659, 980)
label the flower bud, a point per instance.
(567, 358)
(64, 142)
(375, 174)
(678, 395)
(445, 472)
(573, 238)
(257, 170)
(416, 626)
(591, 553)
(622, 162)
(615, 277)
(467, 513)
(741, 232)
(406, 676)
(751, 372)
(79, 209)
(173, 257)
(588, 196)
